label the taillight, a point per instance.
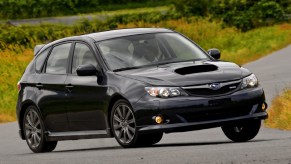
(18, 86)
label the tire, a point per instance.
(242, 132)
(34, 129)
(123, 124)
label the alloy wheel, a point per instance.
(124, 123)
(32, 129)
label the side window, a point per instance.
(58, 59)
(40, 60)
(82, 55)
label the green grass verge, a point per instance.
(236, 46)
(279, 112)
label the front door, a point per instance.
(86, 101)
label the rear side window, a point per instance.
(58, 59)
(40, 60)
(82, 55)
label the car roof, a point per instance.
(124, 32)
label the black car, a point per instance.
(134, 85)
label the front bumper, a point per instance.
(194, 113)
(181, 127)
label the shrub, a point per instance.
(28, 36)
(192, 7)
(243, 14)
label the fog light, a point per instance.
(264, 106)
(159, 119)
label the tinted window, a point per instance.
(58, 59)
(82, 55)
(40, 60)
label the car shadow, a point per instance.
(161, 145)
(202, 143)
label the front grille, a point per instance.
(206, 90)
(216, 114)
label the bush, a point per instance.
(248, 14)
(28, 36)
(192, 7)
(243, 14)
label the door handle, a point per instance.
(39, 85)
(69, 87)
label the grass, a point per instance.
(236, 46)
(279, 112)
(12, 65)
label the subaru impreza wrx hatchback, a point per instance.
(134, 85)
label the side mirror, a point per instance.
(215, 53)
(86, 70)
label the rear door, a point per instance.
(51, 96)
(86, 97)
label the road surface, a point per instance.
(205, 146)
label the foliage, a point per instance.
(28, 36)
(153, 17)
(20, 9)
(193, 7)
(280, 113)
(243, 14)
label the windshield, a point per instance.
(148, 49)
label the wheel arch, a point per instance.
(24, 107)
(113, 100)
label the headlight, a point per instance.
(165, 92)
(249, 82)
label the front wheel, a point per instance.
(242, 132)
(34, 132)
(123, 124)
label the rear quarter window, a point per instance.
(39, 61)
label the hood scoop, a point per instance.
(196, 69)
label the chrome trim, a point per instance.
(75, 135)
(206, 86)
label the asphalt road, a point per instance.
(205, 146)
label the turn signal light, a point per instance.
(159, 119)
(264, 106)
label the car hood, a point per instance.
(187, 73)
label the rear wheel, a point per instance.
(242, 132)
(34, 132)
